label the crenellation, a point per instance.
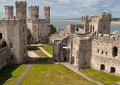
(22, 4)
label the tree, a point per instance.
(52, 29)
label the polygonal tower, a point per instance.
(47, 13)
(9, 12)
(21, 9)
(34, 12)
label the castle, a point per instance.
(17, 31)
(89, 44)
(39, 29)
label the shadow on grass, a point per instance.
(6, 73)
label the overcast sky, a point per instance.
(62, 9)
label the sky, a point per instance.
(69, 9)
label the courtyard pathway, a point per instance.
(49, 55)
(75, 69)
(19, 79)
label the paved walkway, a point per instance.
(49, 55)
(19, 79)
(75, 69)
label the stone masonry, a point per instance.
(90, 45)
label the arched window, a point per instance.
(102, 52)
(106, 52)
(102, 67)
(0, 35)
(4, 44)
(97, 51)
(93, 28)
(112, 70)
(77, 29)
(115, 51)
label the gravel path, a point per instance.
(19, 79)
(75, 69)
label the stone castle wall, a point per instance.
(103, 49)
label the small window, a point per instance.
(42, 25)
(112, 70)
(77, 29)
(11, 45)
(0, 35)
(102, 52)
(115, 51)
(97, 51)
(106, 52)
(102, 67)
(4, 44)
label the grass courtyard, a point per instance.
(48, 48)
(52, 74)
(105, 78)
(11, 72)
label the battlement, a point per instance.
(34, 7)
(71, 24)
(22, 4)
(108, 38)
(103, 16)
(8, 7)
(47, 8)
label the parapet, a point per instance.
(8, 7)
(104, 15)
(108, 38)
(47, 8)
(22, 4)
(34, 7)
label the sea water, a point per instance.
(61, 24)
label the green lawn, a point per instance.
(32, 48)
(13, 71)
(107, 79)
(52, 74)
(48, 48)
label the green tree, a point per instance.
(52, 29)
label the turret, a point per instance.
(34, 12)
(21, 9)
(47, 13)
(9, 12)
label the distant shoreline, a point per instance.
(112, 22)
(65, 20)
(115, 22)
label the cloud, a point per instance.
(70, 8)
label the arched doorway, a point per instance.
(65, 59)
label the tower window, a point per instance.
(112, 70)
(115, 51)
(11, 45)
(0, 35)
(102, 67)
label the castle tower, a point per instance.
(47, 13)
(21, 12)
(9, 12)
(34, 12)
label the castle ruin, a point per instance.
(90, 45)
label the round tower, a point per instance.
(34, 12)
(9, 12)
(21, 12)
(47, 13)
